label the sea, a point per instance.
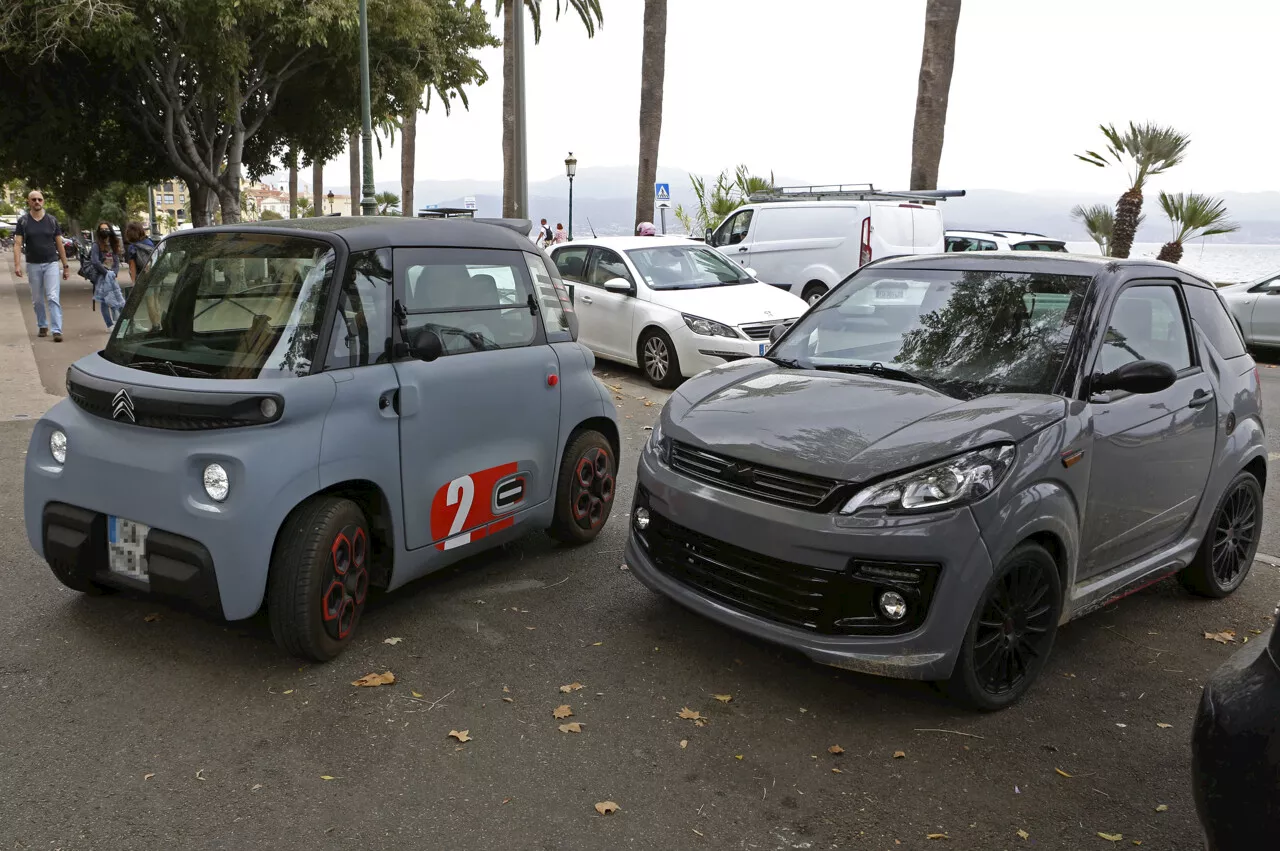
(1222, 263)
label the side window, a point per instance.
(985, 245)
(1214, 321)
(605, 266)
(572, 263)
(1146, 324)
(553, 301)
(1270, 286)
(362, 323)
(738, 227)
(470, 300)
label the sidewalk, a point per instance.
(35, 368)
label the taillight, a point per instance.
(864, 254)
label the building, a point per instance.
(171, 204)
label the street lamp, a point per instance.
(368, 205)
(570, 168)
(330, 197)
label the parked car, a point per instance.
(669, 305)
(1006, 240)
(294, 412)
(1256, 308)
(928, 486)
(1235, 749)
(807, 247)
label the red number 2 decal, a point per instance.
(462, 511)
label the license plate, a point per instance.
(127, 547)
(891, 294)
(762, 347)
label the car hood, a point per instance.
(848, 427)
(735, 304)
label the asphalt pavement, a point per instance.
(128, 724)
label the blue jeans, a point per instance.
(109, 314)
(46, 285)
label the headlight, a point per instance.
(216, 483)
(656, 440)
(955, 482)
(58, 446)
(707, 328)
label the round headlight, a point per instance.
(893, 606)
(269, 408)
(642, 519)
(58, 446)
(216, 483)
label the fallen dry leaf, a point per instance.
(1063, 773)
(152, 618)
(1162, 808)
(256, 787)
(530, 628)
(1111, 837)
(1227, 636)
(392, 641)
(723, 698)
(571, 727)
(562, 711)
(415, 694)
(1163, 726)
(700, 722)
(648, 404)
(936, 836)
(574, 686)
(148, 776)
(597, 644)
(835, 749)
(604, 808)
(899, 754)
(508, 700)
(1022, 834)
(200, 774)
(289, 691)
(384, 679)
(836, 771)
(737, 756)
(327, 777)
(690, 714)
(684, 743)
(460, 735)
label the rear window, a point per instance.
(1214, 321)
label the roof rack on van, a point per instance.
(852, 192)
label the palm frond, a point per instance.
(1150, 148)
(1193, 215)
(588, 10)
(1099, 221)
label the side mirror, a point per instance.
(617, 285)
(427, 346)
(751, 272)
(776, 332)
(707, 236)
(1142, 376)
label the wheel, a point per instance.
(319, 578)
(814, 291)
(1229, 544)
(1011, 633)
(659, 360)
(585, 489)
(77, 582)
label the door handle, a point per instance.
(586, 299)
(1200, 398)
(742, 250)
(390, 399)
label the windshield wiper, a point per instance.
(785, 363)
(876, 368)
(173, 369)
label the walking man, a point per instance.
(39, 237)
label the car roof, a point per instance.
(1053, 263)
(362, 233)
(1021, 235)
(627, 243)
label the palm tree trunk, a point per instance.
(293, 183)
(1170, 252)
(652, 75)
(1128, 208)
(317, 187)
(408, 160)
(353, 145)
(510, 8)
(941, 19)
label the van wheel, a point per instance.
(1230, 542)
(813, 291)
(584, 490)
(319, 579)
(659, 360)
(1011, 633)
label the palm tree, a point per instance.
(1192, 217)
(1152, 149)
(387, 201)
(725, 196)
(941, 19)
(653, 66)
(1099, 221)
(589, 12)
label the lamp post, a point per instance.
(330, 197)
(368, 206)
(570, 168)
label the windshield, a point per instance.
(965, 333)
(226, 305)
(679, 267)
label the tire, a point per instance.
(1230, 543)
(659, 360)
(813, 291)
(76, 582)
(585, 489)
(313, 602)
(1011, 633)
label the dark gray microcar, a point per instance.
(293, 413)
(950, 456)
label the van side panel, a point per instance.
(794, 243)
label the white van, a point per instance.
(807, 247)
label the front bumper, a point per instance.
(697, 352)
(727, 536)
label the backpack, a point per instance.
(142, 254)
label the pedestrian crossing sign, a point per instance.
(662, 191)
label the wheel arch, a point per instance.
(1257, 467)
(373, 503)
(605, 426)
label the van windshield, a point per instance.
(679, 267)
(226, 305)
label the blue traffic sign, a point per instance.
(662, 191)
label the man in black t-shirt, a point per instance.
(38, 237)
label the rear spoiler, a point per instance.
(524, 227)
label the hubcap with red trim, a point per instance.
(346, 582)
(592, 490)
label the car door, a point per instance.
(1264, 320)
(571, 262)
(1151, 452)
(612, 313)
(732, 238)
(479, 423)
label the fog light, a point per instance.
(58, 446)
(216, 483)
(893, 606)
(642, 519)
(269, 408)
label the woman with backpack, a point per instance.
(139, 250)
(105, 260)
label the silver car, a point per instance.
(952, 455)
(1256, 307)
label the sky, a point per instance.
(824, 91)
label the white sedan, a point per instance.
(670, 305)
(1256, 308)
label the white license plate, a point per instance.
(891, 294)
(127, 547)
(762, 347)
